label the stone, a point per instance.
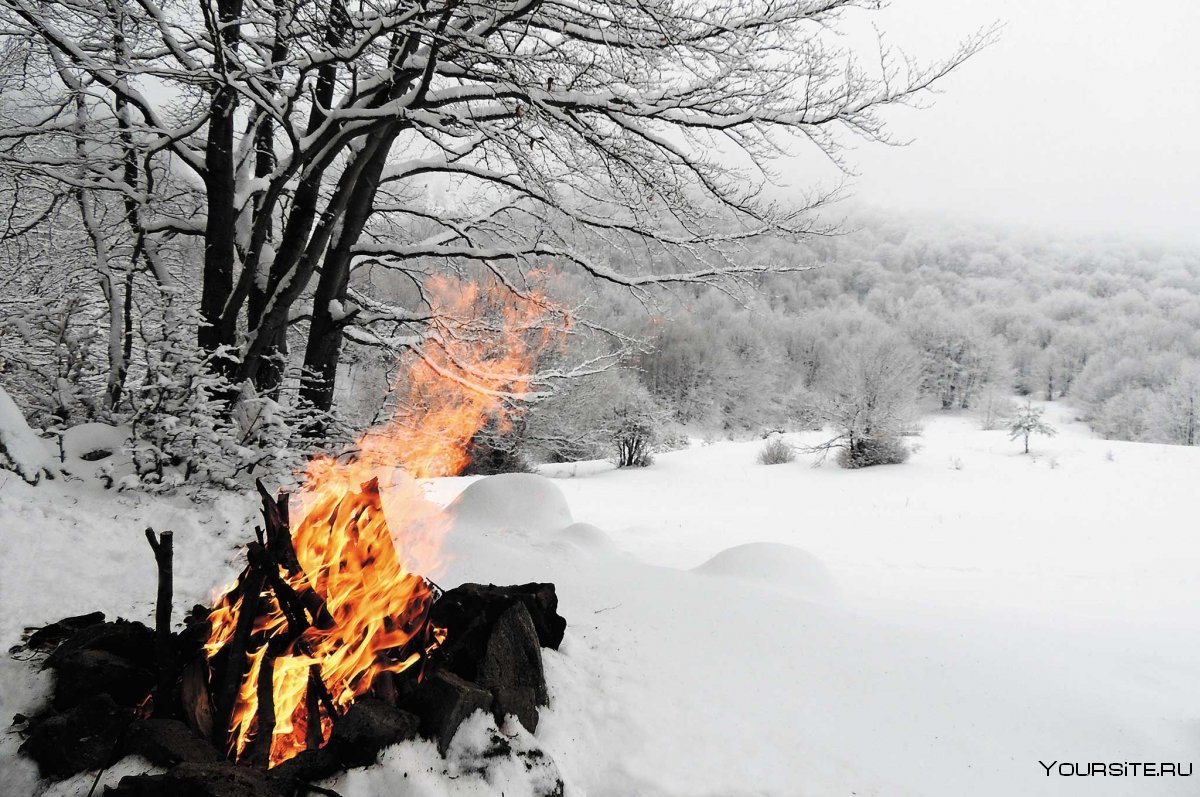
(511, 668)
(81, 738)
(369, 726)
(51, 636)
(129, 640)
(468, 606)
(442, 702)
(167, 742)
(81, 673)
(202, 780)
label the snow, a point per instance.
(932, 628)
(21, 450)
(93, 439)
(514, 501)
(772, 563)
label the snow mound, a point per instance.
(93, 441)
(512, 502)
(586, 536)
(774, 564)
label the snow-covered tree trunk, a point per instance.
(21, 450)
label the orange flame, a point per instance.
(365, 576)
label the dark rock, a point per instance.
(131, 641)
(202, 780)
(511, 668)
(442, 702)
(369, 726)
(82, 738)
(166, 743)
(309, 766)
(358, 736)
(81, 673)
(51, 636)
(466, 607)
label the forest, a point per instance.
(969, 316)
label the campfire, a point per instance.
(334, 641)
(315, 621)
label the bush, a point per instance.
(191, 425)
(634, 437)
(865, 452)
(776, 451)
(673, 438)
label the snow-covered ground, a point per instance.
(933, 628)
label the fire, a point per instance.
(356, 601)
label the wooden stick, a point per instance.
(313, 736)
(279, 545)
(164, 549)
(259, 753)
(237, 660)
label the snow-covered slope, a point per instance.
(933, 628)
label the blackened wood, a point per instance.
(279, 545)
(259, 752)
(195, 697)
(164, 550)
(237, 660)
(312, 709)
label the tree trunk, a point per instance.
(323, 352)
(220, 252)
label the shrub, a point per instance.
(865, 452)
(634, 437)
(672, 437)
(776, 451)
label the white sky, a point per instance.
(1083, 118)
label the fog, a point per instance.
(1081, 118)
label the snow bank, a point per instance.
(21, 450)
(522, 502)
(773, 564)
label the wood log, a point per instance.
(259, 751)
(312, 709)
(164, 547)
(237, 661)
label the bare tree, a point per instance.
(297, 143)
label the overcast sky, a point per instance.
(1084, 117)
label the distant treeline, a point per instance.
(1113, 327)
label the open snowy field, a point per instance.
(933, 628)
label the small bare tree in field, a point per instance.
(255, 160)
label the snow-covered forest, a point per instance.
(987, 316)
